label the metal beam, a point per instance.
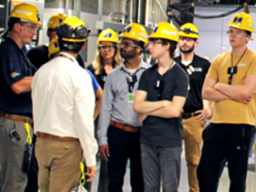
(100, 25)
(100, 9)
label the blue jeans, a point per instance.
(160, 164)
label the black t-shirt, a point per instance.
(157, 131)
(200, 66)
(101, 77)
(39, 55)
(13, 68)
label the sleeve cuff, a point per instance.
(103, 141)
(90, 161)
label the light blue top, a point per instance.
(115, 105)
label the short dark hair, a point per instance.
(140, 44)
(173, 46)
(11, 23)
(74, 47)
(248, 33)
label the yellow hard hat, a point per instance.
(53, 47)
(165, 30)
(242, 21)
(108, 35)
(136, 32)
(73, 29)
(26, 12)
(56, 19)
(189, 30)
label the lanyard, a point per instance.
(131, 80)
(233, 69)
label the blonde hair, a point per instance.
(98, 60)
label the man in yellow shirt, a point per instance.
(230, 83)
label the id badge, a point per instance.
(131, 97)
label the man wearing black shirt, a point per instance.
(39, 55)
(15, 97)
(196, 110)
(159, 101)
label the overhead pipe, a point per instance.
(130, 11)
(141, 11)
(66, 7)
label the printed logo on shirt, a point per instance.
(198, 69)
(15, 74)
(241, 65)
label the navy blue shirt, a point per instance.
(13, 68)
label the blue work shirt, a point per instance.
(13, 68)
(95, 83)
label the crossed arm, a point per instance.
(164, 109)
(214, 91)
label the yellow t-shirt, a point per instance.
(231, 111)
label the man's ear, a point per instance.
(196, 43)
(168, 45)
(16, 27)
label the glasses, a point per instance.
(155, 42)
(189, 39)
(80, 32)
(30, 27)
(126, 44)
(106, 47)
(231, 32)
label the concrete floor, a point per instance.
(223, 185)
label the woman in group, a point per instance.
(106, 59)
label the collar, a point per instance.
(142, 65)
(68, 56)
(179, 61)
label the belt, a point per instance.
(188, 115)
(16, 118)
(126, 128)
(54, 137)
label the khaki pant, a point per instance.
(12, 178)
(58, 163)
(192, 134)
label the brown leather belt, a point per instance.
(125, 127)
(55, 138)
(16, 118)
(188, 115)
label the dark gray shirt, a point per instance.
(116, 105)
(157, 131)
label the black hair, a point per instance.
(139, 43)
(248, 33)
(11, 23)
(74, 47)
(173, 46)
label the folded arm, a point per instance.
(242, 93)
(142, 106)
(210, 93)
(173, 110)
